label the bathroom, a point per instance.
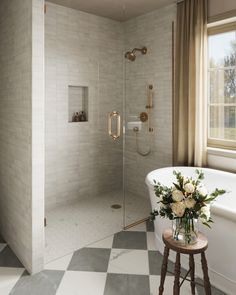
(73, 180)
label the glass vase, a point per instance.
(185, 230)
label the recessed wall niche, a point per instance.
(77, 104)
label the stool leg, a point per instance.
(192, 270)
(207, 284)
(177, 275)
(163, 270)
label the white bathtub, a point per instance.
(221, 253)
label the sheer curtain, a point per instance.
(190, 103)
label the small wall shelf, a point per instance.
(77, 104)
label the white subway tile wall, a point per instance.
(22, 129)
(81, 50)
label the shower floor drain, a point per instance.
(116, 206)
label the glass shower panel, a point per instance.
(139, 134)
(108, 164)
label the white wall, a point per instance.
(21, 109)
(222, 159)
(81, 50)
(220, 6)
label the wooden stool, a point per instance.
(199, 247)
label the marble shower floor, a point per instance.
(80, 223)
(124, 263)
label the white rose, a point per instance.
(177, 195)
(189, 187)
(202, 190)
(189, 203)
(205, 210)
(178, 208)
(161, 198)
(186, 179)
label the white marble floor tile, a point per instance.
(78, 224)
(104, 243)
(82, 283)
(59, 264)
(128, 262)
(151, 241)
(8, 278)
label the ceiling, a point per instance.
(120, 10)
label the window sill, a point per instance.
(221, 152)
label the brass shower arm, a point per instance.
(143, 50)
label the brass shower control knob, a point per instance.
(143, 117)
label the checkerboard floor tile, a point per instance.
(123, 264)
(130, 240)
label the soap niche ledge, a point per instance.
(77, 104)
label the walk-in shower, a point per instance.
(95, 168)
(130, 55)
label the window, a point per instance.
(222, 86)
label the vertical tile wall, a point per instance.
(81, 50)
(21, 131)
(38, 135)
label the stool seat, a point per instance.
(200, 246)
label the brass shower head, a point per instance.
(131, 54)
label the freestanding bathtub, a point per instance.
(221, 253)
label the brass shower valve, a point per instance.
(143, 117)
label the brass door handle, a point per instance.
(116, 116)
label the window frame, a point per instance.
(215, 142)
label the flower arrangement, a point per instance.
(185, 202)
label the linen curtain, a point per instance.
(190, 102)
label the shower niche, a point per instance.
(77, 104)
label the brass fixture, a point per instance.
(115, 115)
(116, 206)
(150, 97)
(136, 223)
(136, 131)
(143, 117)
(130, 55)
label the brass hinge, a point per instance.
(45, 8)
